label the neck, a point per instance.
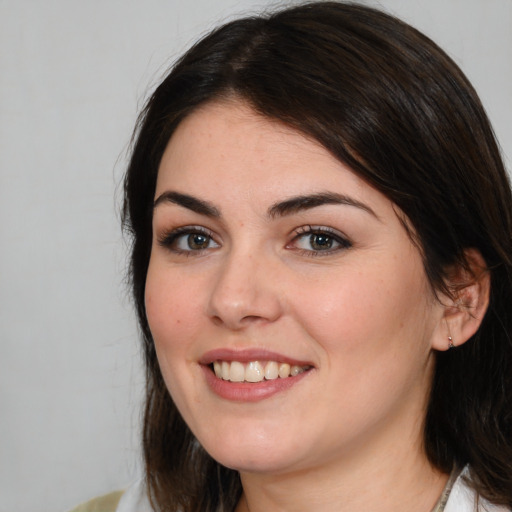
(402, 479)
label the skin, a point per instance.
(348, 435)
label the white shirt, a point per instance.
(464, 499)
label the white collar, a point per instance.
(463, 498)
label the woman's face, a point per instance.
(296, 280)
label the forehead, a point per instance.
(229, 143)
(228, 129)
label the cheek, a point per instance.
(368, 311)
(374, 336)
(172, 307)
(165, 313)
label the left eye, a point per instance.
(320, 241)
(188, 241)
(193, 242)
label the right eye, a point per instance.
(188, 240)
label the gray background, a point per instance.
(72, 77)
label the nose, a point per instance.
(245, 292)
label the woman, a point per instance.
(321, 267)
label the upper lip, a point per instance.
(248, 355)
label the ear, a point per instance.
(464, 310)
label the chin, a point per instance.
(253, 453)
(249, 462)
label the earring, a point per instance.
(450, 339)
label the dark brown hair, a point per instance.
(386, 101)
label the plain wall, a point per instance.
(72, 76)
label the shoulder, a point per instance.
(106, 503)
(464, 499)
(133, 499)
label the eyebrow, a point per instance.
(192, 203)
(306, 202)
(280, 209)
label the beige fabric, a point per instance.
(106, 503)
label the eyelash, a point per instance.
(331, 234)
(170, 239)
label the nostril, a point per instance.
(252, 318)
(217, 320)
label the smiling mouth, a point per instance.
(256, 371)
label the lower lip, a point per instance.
(249, 391)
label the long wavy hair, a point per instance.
(390, 104)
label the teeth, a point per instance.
(255, 371)
(237, 372)
(284, 370)
(225, 370)
(295, 370)
(271, 370)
